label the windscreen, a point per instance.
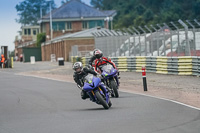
(107, 68)
(89, 78)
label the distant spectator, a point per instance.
(21, 57)
(2, 60)
(16, 58)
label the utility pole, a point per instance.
(51, 30)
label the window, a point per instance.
(95, 23)
(68, 25)
(54, 26)
(58, 26)
(92, 24)
(85, 25)
(25, 31)
(29, 31)
(43, 28)
(100, 23)
(34, 32)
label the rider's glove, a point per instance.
(99, 76)
(81, 88)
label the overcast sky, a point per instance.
(8, 25)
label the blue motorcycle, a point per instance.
(96, 91)
(111, 79)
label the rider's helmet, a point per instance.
(97, 53)
(78, 67)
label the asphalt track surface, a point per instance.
(35, 105)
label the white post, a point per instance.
(32, 59)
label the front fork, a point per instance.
(91, 95)
(101, 89)
(117, 80)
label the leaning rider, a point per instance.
(79, 74)
(93, 58)
(100, 61)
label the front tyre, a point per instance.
(113, 85)
(109, 104)
(101, 99)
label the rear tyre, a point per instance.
(101, 99)
(113, 85)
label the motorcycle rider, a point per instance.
(97, 54)
(93, 58)
(79, 74)
(100, 61)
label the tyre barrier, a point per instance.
(74, 59)
(85, 61)
(140, 61)
(183, 65)
(162, 65)
(122, 64)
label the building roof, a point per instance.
(109, 12)
(77, 9)
(25, 44)
(89, 33)
(31, 26)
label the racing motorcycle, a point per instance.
(97, 93)
(109, 74)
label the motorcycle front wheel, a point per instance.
(113, 85)
(102, 100)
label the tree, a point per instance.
(145, 12)
(148, 15)
(140, 9)
(40, 39)
(64, 1)
(29, 11)
(139, 21)
(12, 53)
(196, 8)
(97, 3)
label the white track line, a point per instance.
(121, 91)
(26, 75)
(162, 99)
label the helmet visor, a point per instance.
(98, 56)
(78, 70)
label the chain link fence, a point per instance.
(180, 38)
(82, 50)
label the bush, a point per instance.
(40, 39)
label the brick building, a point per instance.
(27, 38)
(74, 16)
(72, 25)
(62, 46)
